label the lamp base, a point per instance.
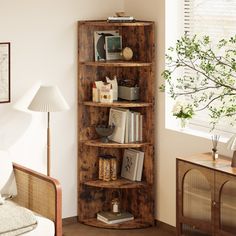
(233, 163)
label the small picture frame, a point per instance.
(99, 43)
(5, 72)
(113, 47)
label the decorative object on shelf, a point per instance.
(114, 85)
(106, 93)
(113, 168)
(231, 144)
(128, 93)
(100, 167)
(104, 131)
(127, 53)
(48, 99)
(209, 81)
(5, 91)
(115, 203)
(215, 138)
(106, 167)
(183, 111)
(113, 47)
(100, 43)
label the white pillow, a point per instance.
(7, 177)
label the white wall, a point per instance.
(43, 36)
(169, 144)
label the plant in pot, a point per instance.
(208, 76)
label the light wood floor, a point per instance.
(78, 229)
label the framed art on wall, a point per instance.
(4, 72)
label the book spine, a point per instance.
(140, 166)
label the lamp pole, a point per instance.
(48, 146)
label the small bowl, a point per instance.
(104, 131)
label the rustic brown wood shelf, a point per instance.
(135, 197)
(119, 183)
(116, 63)
(128, 24)
(124, 104)
(98, 143)
(132, 224)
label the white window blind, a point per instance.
(217, 19)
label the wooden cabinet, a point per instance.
(206, 196)
(95, 195)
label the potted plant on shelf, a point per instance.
(208, 78)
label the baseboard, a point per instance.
(165, 227)
(69, 220)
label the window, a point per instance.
(216, 18)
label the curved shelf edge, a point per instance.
(132, 224)
(117, 104)
(119, 183)
(116, 63)
(105, 23)
(98, 143)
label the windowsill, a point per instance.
(203, 133)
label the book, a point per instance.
(140, 165)
(120, 19)
(129, 164)
(117, 117)
(114, 218)
(131, 126)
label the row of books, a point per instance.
(114, 218)
(132, 164)
(128, 125)
(120, 19)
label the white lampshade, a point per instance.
(231, 144)
(48, 99)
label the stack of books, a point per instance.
(114, 218)
(120, 19)
(128, 125)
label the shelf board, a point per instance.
(118, 104)
(116, 63)
(98, 143)
(132, 224)
(119, 183)
(105, 23)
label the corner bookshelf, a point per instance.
(95, 195)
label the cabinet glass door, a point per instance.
(228, 207)
(196, 196)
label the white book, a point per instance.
(129, 164)
(131, 126)
(127, 127)
(140, 164)
(136, 126)
(140, 128)
(117, 117)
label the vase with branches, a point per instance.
(209, 78)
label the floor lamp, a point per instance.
(48, 99)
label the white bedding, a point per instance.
(45, 227)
